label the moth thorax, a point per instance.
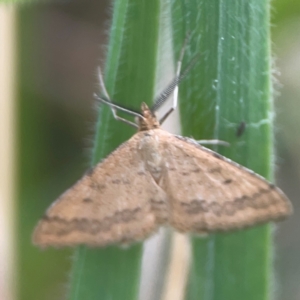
(151, 154)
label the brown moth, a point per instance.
(154, 179)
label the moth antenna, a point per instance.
(159, 101)
(115, 106)
(102, 84)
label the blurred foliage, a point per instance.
(284, 10)
(48, 161)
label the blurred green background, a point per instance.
(60, 45)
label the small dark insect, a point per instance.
(241, 129)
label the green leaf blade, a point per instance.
(231, 84)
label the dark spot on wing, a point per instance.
(87, 200)
(97, 186)
(120, 181)
(227, 181)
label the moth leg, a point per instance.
(113, 108)
(213, 142)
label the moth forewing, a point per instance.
(209, 193)
(111, 204)
(154, 179)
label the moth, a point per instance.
(154, 179)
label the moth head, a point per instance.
(149, 120)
